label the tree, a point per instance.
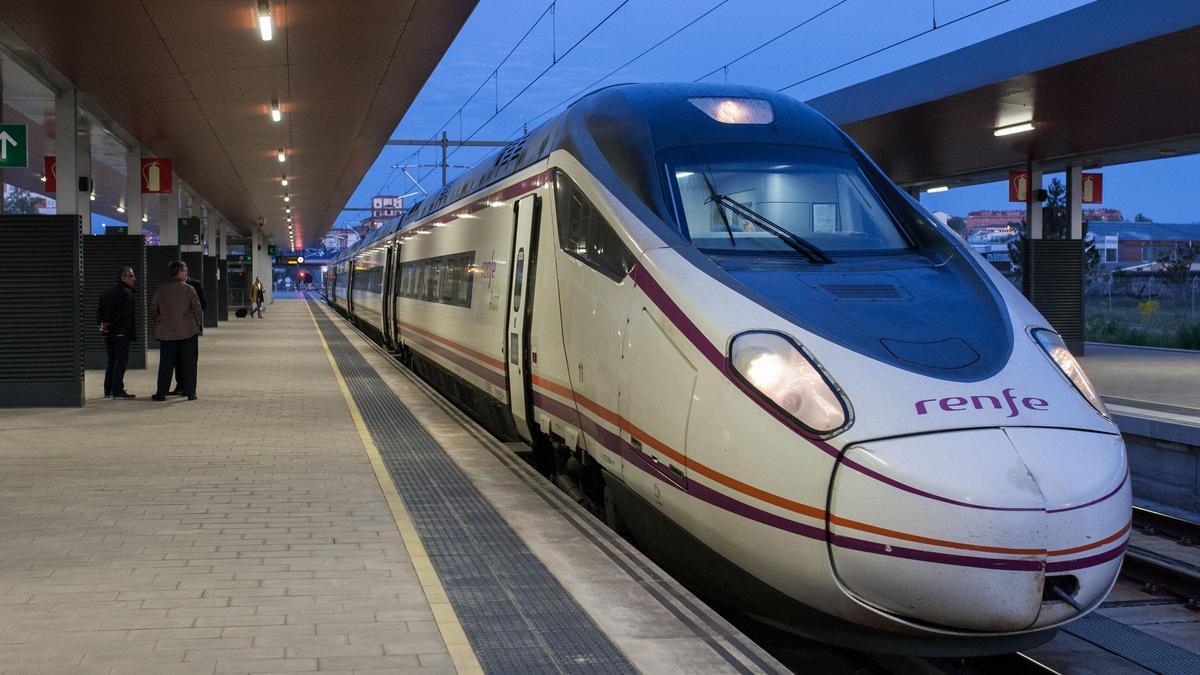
(1055, 224)
(1142, 218)
(1177, 266)
(20, 201)
(959, 225)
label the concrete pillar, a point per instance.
(210, 219)
(1075, 200)
(168, 216)
(1033, 203)
(223, 229)
(133, 189)
(66, 130)
(83, 165)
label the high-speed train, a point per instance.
(723, 328)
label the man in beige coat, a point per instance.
(178, 320)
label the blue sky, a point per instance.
(805, 47)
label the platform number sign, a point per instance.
(14, 146)
(272, 249)
(191, 231)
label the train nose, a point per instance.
(962, 529)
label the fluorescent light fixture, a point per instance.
(285, 181)
(264, 19)
(938, 188)
(280, 156)
(120, 208)
(1013, 129)
(92, 196)
(42, 178)
(276, 113)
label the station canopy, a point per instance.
(194, 81)
(1106, 83)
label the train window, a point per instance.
(443, 279)
(518, 280)
(825, 197)
(584, 234)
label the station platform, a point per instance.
(316, 509)
(1147, 380)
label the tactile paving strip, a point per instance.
(516, 614)
(1145, 650)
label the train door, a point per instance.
(526, 214)
(385, 296)
(392, 293)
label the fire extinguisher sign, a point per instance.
(156, 176)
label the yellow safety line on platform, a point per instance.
(451, 629)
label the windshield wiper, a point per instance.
(798, 243)
(715, 198)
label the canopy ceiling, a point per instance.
(193, 81)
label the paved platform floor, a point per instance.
(248, 531)
(1158, 380)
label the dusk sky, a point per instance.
(802, 47)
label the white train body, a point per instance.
(929, 474)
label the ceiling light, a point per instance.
(264, 19)
(92, 196)
(938, 188)
(287, 198)
(1013, 129)
(42, 178)
(287, 210)
(276, 114)
(145, 218)
(120, 208)
(285, 181)
(280, 156)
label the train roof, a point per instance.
(617, 132)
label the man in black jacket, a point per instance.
(115, 316)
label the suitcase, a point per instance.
(241, 312)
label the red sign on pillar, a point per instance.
(51, 173)
(1018, 186)
(1092, 188)
(156, 176)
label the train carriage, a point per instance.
(722, 326)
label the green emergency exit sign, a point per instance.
(14, 146)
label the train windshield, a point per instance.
(779, 200)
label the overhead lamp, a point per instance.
(1013, 129)
(120, 208)
(287, 209)
(42, 178)
(92, 196)
(264, 19)
(287, 198)
(276, 113)
(285, 181)
(938, 188)
(145, 218)
(280, 156)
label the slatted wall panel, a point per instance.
(223, 290)
(41, 341)
(1053, 282)
(103, 256)
(211, 291)
(157, 259)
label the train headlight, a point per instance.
(778, 369)
(1057, 350)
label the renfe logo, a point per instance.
(957, 403)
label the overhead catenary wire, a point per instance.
(891, 45)
(789, 31)
(493, 74)
(621, 67)
(536, 79)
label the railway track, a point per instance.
(1161, 573)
